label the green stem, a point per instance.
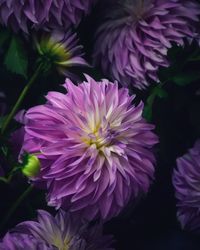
(10, 175)
(21, 98)
(3, 179)
(15, 206)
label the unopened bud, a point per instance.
(31, 166)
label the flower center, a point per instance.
(98, 132)
(57, 51)
(57, 242)
(137, 8)
(52, 51)
(99, 138)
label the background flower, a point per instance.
(20, 241)
(60, 49)
(133, 41)
(94, 147)
(59, 232)
(47, 14)
(186, 180)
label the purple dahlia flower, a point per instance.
(20, 241)
(186, 181)
(57, 233)
(133, 41)
(46, 14)
(94, 147)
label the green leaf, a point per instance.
(157, 91)
(4, 35)
(16, 59)
(194, 59)
(147, 113)
(185, 78)
(161, 92)
(2, 118)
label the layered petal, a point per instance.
(186, 180)
(94, 147)
(62, 232)
(25, 15)
(132, 42)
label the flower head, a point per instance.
(21, 241)
(133, 41)
(61, 232)
(94, 147)
(46, 14)
(186, 181)
(61, 50)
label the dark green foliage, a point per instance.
(16, 59)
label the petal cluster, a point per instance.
(94, 147)
(46, 14)
(22, 241)
(133, 41)
(61, 232)
(186, 181)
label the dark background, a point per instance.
(152, 223)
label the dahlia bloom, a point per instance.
(20, 241)
(94, 147)
(60, 49)
(47, 14)
(186, 181)
(133, 41)
(57, 233)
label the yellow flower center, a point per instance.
(58, 50)
(98, 132)
(96, 139)
(54, 51)
(57, 242)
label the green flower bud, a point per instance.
(30, 166)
